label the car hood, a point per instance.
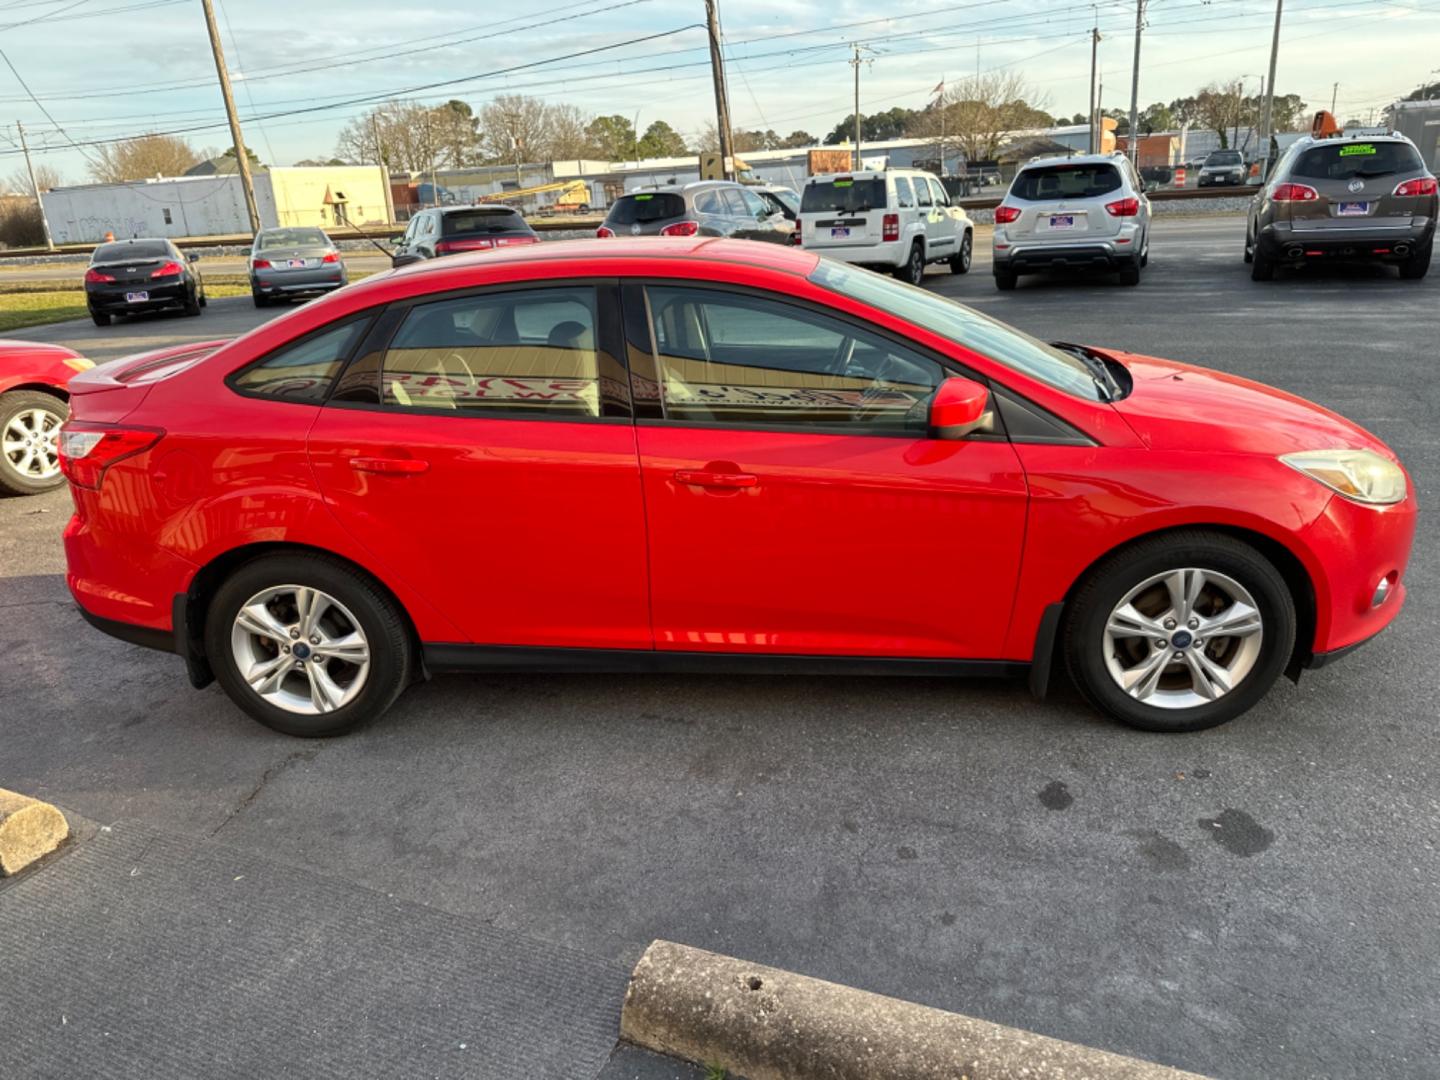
(1176, 406)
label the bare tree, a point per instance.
(977, 112)
(142, 158)
(565, 132)
(514, 122)
(1221, 108)
(46, 176)
(402, 135)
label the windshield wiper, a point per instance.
(1105, 382)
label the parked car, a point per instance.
(33, 396)
(1222, 168)
(1353, 197)
(130, 276)
(289, 262)
(783, 201)
(697, 454)
(702, 208)
(1081, 213)
(448, 230)
(898, 220)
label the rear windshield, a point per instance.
(465, 222)
(844, 193)
(1225, 157)
(135, 249)
(646, 206)
(1066, 182)
(283, 238)
(1345, 161)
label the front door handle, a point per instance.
(389, 466)
(714, 479)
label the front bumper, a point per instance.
(110, 299)
(1225, 179)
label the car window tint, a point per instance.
(527, 352)
(922, 192)
(481, 222)
(645, 206)
(135, 250)
(843, 193)
(1348, 160)
(707, 202)
(1066, 182)
(731, 358)
(302, 371)
(904, 194)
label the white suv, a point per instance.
(1082, 212)
(899, 219)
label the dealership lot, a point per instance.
(1255, 900)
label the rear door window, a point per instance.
(1066, 182)
(1351, 160)
(646, 206)
(844, 194)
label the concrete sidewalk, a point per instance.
(141, 954)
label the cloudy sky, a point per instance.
(107, 68)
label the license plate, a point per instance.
(1353, 209)
(136, 297)
(839, 234)
(297, 264)
(1062, 221)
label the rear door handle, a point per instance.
(706, 478)
(389, 466)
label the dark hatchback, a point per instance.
(702, 208)
(130, 276)
(448, 230)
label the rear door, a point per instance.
(843, 211)
(480, 447)
(1355, 180)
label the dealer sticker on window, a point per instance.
(1357, 150)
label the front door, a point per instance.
(795, 503)
(940, 228)
(481, 449)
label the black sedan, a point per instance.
(129, 276)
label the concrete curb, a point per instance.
(29, 829)
(766, 1024)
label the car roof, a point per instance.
(1073, 159)
(1353, 135)
(499, 208)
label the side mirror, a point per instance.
(960, 406)
(194, 256)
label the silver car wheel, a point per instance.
(300, 649)
(31, 444)
(1183, 638)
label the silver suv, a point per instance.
(1084, 212)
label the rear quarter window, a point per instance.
(1344, 161)
(1066, 182)
(303, 370)
(646, 206)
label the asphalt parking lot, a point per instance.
(1259, 900)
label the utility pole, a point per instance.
(1094, 57)
(375, 130)
(1132, 143)
(1269, 118)
(1334, 93)
(40, 205)
(855, 63)
(722, 96)
(242, 160)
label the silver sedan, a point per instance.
(293, 261)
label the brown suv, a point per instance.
(1352, 196)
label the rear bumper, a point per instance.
(1290, 241)
(111, 298)
(298, 281)
(890, 254)
(1038, 257)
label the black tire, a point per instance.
(960, 261)
(1097, 597)
(1005, 280)
(13, 404)
(913, 270)
(379, 617)
(204, 300)
(261, 300)
(1130, 273)
(1418, 264)
(192, 304)
(1249, 248)
(1262, 266)
(101, 318)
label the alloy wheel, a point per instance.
(1183, 638)
(31, 444)
(300, 649)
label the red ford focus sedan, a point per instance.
(700, 454)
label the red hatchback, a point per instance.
(33, 381)
(658, 455)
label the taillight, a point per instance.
(511, 241)
(604, 232)
(1123, 208)
(795, 236)
(1006, 214)
(261, 264)
(449, 247)
(95, 277)
(88, 449)
(681, 228)
(169, 269)
(1294, 193)
(332, 257)
(890, 227)
(1421, 185)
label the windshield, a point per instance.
(1224, 157)
(131, 251)
(289, 238)
(961, 324)
(1345, 161)
(843, 193)
(1066, 182)
(459, 222)
(647, 206)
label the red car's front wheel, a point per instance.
(1181, 632)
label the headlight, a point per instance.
(1360, 475)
